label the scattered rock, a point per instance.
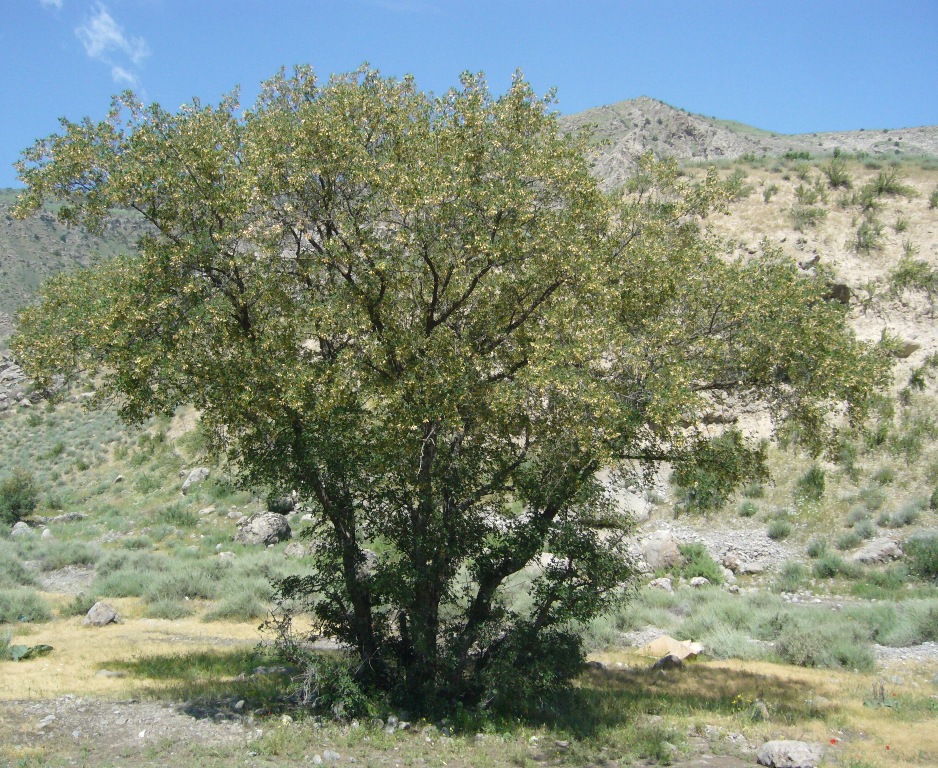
(789, 754)
(46, 534)
(101, 614)
(195, 477)
(663, 583)
(207, 511)
(700, 581)
(264, 528)
(294, 549)
(750, 568)
(731, 562)
(328, 756)
(20, 529)
(877, 551)
(661, 550)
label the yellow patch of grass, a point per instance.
(81, 652)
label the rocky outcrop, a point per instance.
(877, 552)
(101, 614)
(195, 477)
(660, 550)
(789, 754)
(264, 528)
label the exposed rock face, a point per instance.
(661, 550)
(877, 551)
(789, 754)
(195, 477)
(101, 614)
(264, 528)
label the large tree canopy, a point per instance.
(421, 313)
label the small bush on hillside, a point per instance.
(12, 571)
(933, 499)
(829, 565)
(848, 540)
(884, 475)
(889, 181)
(177, 515)
(869, 235)
(873, 497)
(907, 514)
(78, 605)
(748, 509)
(856, 515)
(769, 192)
(58, 554)
(238, 607)
(169, 609)
(811, 484)
(19, 496)
(817, 547)
(20, 604)
(753, 491)
(793, 577)
(809, 641)
(933, 199)
(696, 561)
(836, 172)
(922, 554)
(804, 217)
(779, 529)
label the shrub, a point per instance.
(181, 583)
(769, 191)
(933, 199)
(856, 515)
(907, 514)
(836, 172)
(808, 640)
(748, 509)
(829, 565)
(177, 515)
(753, 491)
(884, 475)
(869, 236)
(237, 607)
(865, 529)
(889, 181)
(58, 554)
(696, 561)
(805, 216)
(848, 540)
(792, 578)
(78, 605)
(21, 604)
(811, 484)
(817, 547)
(169, 609)
(19, 495)
(873, 497)
(922, 553)
(933, 499)
(779, 529)
(12, 571)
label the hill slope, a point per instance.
(630, 128)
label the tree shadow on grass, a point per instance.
(605, 700)
(212, 683)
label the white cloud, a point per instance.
(51, 4)
(105, 40)
(102, 36)
(121, 75)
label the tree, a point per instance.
(421, 313)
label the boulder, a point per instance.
(20, 529)
(661, 550)
(700, 581)
(789, 754)
(663, 583)
(101, 614)
(264, 528)
(750, 568)
(195, 477)
(731, 562)
(877, 551)
(294, 549)
(668, 662)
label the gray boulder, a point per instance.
(20, 529)
(663, 583)
(700, 581)
(195, 477)
(101, 614)
(264, 528)
(876, 552)
(661, 550)
(789, 754)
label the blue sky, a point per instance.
(787, 66)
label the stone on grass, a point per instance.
(101, 614)
(663, 583)
(876, 552)
(195, 477)
(263, 528)
(668, 662)
(789, 754)
(700, 581)
(20, 529)
(661, 550)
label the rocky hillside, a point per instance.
(630, 128)
(32, 250)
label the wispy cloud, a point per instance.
(51, 4)
(105, 41)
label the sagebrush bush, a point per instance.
(78, 605)
(22, 604)
(748, 509)
(818, 640)
(793, 577)
(817, 547)
(811, 484)
(779, 529)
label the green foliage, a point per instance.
(78, 605)
(869, 235)
(769, 192)
(779, 529)
(922, 552)
(748, 509)
(807, 642)
(889, 181)
(177, 515)
(838, 177)
(804, 217)
(933, 199)
(696, 561)
(817, 547)
(19, 496)
(811, 484)
(422, 314)
(793, 577)
(22, 604)
(715, 469)
(915, 276)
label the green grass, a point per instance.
(22, 605)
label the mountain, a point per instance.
(630, 128)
